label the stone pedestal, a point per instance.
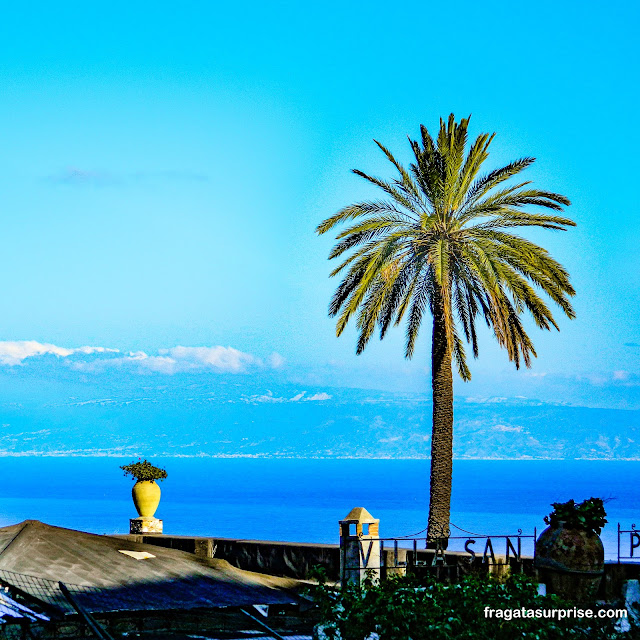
(145, 525)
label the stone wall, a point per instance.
(287, 559)
(294, 560)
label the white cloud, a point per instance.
(177, 360)
(299, 397)
(507, 428)
(75, 175)
(620, 375)
(16, 352)
(219, 358)
(137, 355)
(276, 360)
(168, 361)
(89, 350)
(598, 379)
(318, 396)
(267, 397)
(99, 178)
(159, 364)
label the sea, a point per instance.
(302, 500)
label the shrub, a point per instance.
(408, 609)
(144, 471)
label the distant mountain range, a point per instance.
(232, 417)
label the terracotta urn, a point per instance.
(570, 562)
(146, 497)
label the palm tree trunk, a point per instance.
(442, 430)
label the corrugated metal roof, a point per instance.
(34, 557)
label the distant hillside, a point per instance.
(239, 420)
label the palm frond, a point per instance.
(358, 210)
(486, 183)
(405, 184)
(476, 156)
(419, 302)
(441, 240)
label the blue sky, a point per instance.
(164, 166)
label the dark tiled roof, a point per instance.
(35, 557)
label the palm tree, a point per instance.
(440, 240)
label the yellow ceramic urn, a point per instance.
(146, 497)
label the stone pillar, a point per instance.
(359, 547)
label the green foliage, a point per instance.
(144, 470)
(587, 516)
(440, 241)
(405, 608)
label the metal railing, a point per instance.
(408, 553)
(634, 543)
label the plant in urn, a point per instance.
(146, 495)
